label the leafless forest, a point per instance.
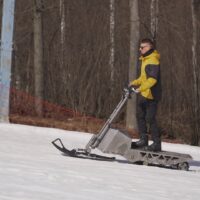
(75, 55)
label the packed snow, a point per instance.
(31, 168)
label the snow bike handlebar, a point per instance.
(130, 90)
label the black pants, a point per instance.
(146, 117)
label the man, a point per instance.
(149, 89)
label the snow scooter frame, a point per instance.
(114, 141)
(96, 139)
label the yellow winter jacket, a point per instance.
(149, 80)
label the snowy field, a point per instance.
(32, 169)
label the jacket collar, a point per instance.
(148, 53)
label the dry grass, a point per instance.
(82, 124)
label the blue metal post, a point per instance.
(6, 57)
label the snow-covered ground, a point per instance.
(32, 169)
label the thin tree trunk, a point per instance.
(62, 30)
(112, 39)
(38, 56)
(154, 19)
(131, 121)
(195, 140)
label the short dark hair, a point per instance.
(149, 41)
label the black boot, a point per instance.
(155, 146)
(143, 142)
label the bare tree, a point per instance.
(38, 55)
(195, 5)
(112, 39)
(154, 19)
(62, 30)
(134, 39)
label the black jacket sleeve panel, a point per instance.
(152, 71)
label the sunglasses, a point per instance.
(142, 47)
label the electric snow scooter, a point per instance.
(114, 141)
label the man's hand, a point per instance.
(137, 91)
(134, 88)
(131, 89)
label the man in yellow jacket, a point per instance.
(149, 89)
